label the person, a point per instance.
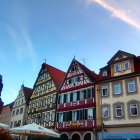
(1, 85)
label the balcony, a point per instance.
(76, 125)
(77, 104)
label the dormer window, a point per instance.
(126, 66)
(104, 73)
(117, 67)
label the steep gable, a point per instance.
(77, 75)
(120, 55)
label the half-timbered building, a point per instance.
(42, 105)
(76, 103)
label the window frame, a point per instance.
(121, 108)
(115, 85)
(124, 66)
(105, 87)
(134, 86)
(107, 108)
(117, 67)
(132, 108)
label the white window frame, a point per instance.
(90, 113)
(117, 69)
(130, 82)
(104, 110)
(117, 85)
(132, 107)
(124, 65)
(104, 87)
(121, 108)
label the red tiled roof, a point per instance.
(56, 74)
(27, 93)
(91, 74)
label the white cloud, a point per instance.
(125, 10)
(18, 29)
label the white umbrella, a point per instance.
(34, 130)
(4, 126)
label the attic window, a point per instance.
(104, 73)
(74, 68)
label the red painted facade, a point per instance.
(79, 84)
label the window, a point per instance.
(90, 114)
(17, 111)
(13, 113)
(117, 88)
(21, 110)
(104, 73)
(118, 110)
(50, 85)
(54, 98)
(74, 68)
(62, 99)
(11, 124)
(117, 68)
(48, 117)
(104, 90)
(126, 66)
(68, 98)
(105, 112)
(74, 80)
(74, 96)
(131, 86)
(133, 110)
(60, 117)
(53, 115)
(89, 93)
(49, 100)
(74, 115)
(82, 95)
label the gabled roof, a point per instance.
(119, 53)
(10, 105)
(56, 74)
(27, 93)
(90, 74)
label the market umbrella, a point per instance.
(34, 130)
(4, 126)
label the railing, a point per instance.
(77, 104)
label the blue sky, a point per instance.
(56, 30)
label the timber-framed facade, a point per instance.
(76, 108)
(42, 107)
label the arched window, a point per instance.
(76, 137)
(64, 136)
(87, 136)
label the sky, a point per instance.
(57, 30)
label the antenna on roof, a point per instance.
(74, 57)
(22, 83)
(45, 61)
(84, 61)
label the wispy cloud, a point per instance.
(18, 29)
(119, 10)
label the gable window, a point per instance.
(105, 112)
(126, 66)
(133, 109)
(131, 86)
(117, 88)
(82, 95)
(74, 68)
(117, 67)
(104, 90)
(104, 73)
(119, 111)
